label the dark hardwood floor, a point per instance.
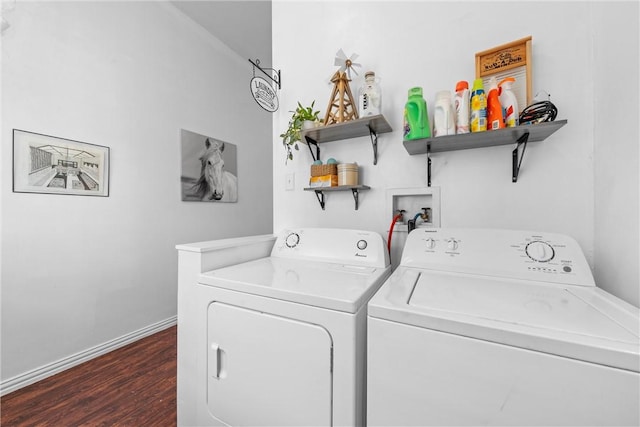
(131, 386)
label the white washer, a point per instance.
(497, 327)
(282, 339)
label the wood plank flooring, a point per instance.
(131, 386)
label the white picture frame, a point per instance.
(52, 165)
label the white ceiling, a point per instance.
(243, 25)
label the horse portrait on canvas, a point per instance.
(214, 183)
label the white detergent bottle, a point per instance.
(444, 116)
(509, 103)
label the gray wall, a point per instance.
(81, 271)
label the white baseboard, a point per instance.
(35, 375)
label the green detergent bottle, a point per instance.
(416, 120)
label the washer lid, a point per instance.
(339, 287)
(570, 321)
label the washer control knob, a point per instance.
(540, 251)
(452, 244)
(362, 244)
(292, 240)
(430, 243)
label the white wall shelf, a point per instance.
(355, 189)
(372, 126)
(519, 135)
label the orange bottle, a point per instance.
(495, 115)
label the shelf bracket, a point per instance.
(355, 195)
(428, 166)
(310, 142)
(374, 143)
(516, 162)
(320, 197)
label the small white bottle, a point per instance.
(509, 103)
(444, 122)
(462, 107)
(369, 96)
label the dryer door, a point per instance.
(267, 370)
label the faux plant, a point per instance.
(292, 135)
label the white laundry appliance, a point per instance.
(279, 339)
(497, 327)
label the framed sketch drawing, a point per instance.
(48, 164)
(209, 169)
(508, 60)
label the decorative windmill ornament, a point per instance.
(346, 64)
(342, 105)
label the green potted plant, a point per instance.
(300, 116)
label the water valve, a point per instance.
(426, 214)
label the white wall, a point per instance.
(80, 271)
(617, 256)
(433, 45)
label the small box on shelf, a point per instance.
(323, 181)
(323, 176)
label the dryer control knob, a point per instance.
(452, 244)
(362, 244)
(292, 240)
(430, 243)
(540, 251)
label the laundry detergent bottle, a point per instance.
(416, 120)
(444, 117)
(478, 107)
(462, 107)
(494, 108)
(509, 102)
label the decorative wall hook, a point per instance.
(277, 80)
(262, 90)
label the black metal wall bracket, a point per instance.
(355, 196)
(428, 166)
(320, 193)
(277, 80)
(320, 197)
(310, 142)
(374, 143)
(516, 162)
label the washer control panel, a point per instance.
(344, 246)
(540, 251)
(292, 240)
(525, 255)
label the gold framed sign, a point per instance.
(508, 60)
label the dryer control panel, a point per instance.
(343, 246)
(527, 255)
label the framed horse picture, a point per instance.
(209, 169)
(48, 164)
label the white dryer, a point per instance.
(281, 340)
(497, 327)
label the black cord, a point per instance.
(538, 112)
